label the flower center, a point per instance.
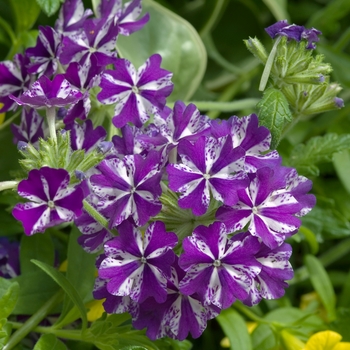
(206, 176)
(135, 89)
(51, 204)
(143, 260)
(255, 210)
(217, 263)
(132, 190)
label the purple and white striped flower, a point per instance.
(218, 268)
(128, 188)
(47, 93)
(254, 139)
(138, 265)
(30, 128)
(97, 39)
(178, 316)
(14, 80)
(268, 206)
(124, 16)
(137, 94)
(210, 166)
(44, 54)
(275, 270)
(52, 201)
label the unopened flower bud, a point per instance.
(339, 102)
(105, 146)
(61, 113)
(80, 175)
(22, 146)
(257, 49)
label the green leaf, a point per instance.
(176, 40)
(50, 7)
(322, 284)
(49, 342)
(344, 300)
(26, 13)
(318, 149)
(233, 325)
(274, 113)
(39, 247)
(341, 163)
(5, 331)
(66, 286)
(36, 288)
(278, 8)
(79, 261)
(310, 238)
(9, 292)
(341, 324)
(263, 338)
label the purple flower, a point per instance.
(85, 136)
(44, 54)
(275, 270)
(30, 129)
(218, 268)
(128, 187)
(291, 31)
(14, 79)
(52, 201)
(178, 316)
(47, 93)
(72, 16)
(311, 35)
(254, 139)
(97, 39)
(126, 17)
(9, 258)
(137, 94)
(138, 265)
(210, 166)
(270, 205)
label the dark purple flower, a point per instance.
(291, 31)
(9, 258)
(128, 143)
(128, 188)
(269, 205)
(47, 93)
(44, 54)
(30, 129)
(72, 16)
(178, 316)
(124, 16)
(138, 265)
(218, 268)
(84, 136)
(97, 40)
(275, 270)
(254, 139)
(311, 35)
(14, 80)
(137, 94)
(209, 166)
(52, 201)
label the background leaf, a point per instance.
(9, 292)
(26, 13)
(50, 7)
(176, 40)
(49, 342)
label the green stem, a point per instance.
(291, 125)
(7, 185)
(34, 320)
(250, 314)
(268, 66)
(213, 18)
(8, 30)
(60, 333)
(95, 214)
(10, 120)
(51, 121)
(329, 257)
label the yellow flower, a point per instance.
(95, 310)
(2, 115)
(326, 340)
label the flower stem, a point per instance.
(251, 315)
(95, 214)
(10, 120)
(7, 185)
(33, 321)
(51, 120)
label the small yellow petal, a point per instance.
(225, 342)
(95, 310)
(251, 326)
(290, 341)
(325, 340)
(63, 266)
(2, 115)
(342, 346)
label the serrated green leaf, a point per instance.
(50, 7)
(66, 286)
(233, 325)
(182, 50)
(322, 284)
(274, 113)
(9, 292)
(39, 247)
(49, 342)
(317, 150)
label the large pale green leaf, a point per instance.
(49, 342)
(176, 41)
(322, 284)
(9, 292)
(233, 325)
(26, 13)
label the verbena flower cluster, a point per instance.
(223, 170)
